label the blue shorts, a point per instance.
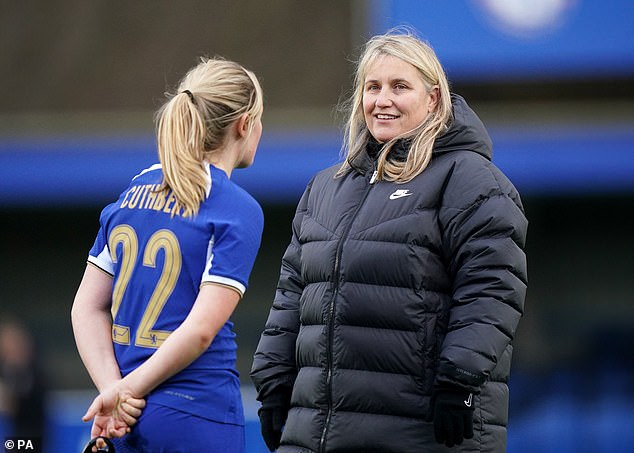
(161, 429)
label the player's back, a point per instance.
(159, 260)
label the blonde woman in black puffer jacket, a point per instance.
(404, 281)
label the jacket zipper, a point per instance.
(331, 313)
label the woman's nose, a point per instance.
(383, 99)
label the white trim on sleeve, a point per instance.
(103, 260)
(224, 281)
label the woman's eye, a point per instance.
(400, 86)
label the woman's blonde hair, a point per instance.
(193, 124)
(400, 43)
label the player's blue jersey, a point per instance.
(158, 262)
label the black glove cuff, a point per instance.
(280, 398)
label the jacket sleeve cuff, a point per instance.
(280, 397)
(449, 374)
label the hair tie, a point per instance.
(190, 95)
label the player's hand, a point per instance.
(129, 409)
(108, 426)
(114, 411)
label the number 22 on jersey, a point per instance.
(166, 240)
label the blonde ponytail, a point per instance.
(180, 138)
(193, 124)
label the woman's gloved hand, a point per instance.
(273, 415)
(451, 411)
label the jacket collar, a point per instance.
(366, 160)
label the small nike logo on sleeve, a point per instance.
(469, 400)
(400, 193)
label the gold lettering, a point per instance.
(135, 198)
(169, 205)
(160, 200)
(151, 196)
(125, 201)
(145, 190)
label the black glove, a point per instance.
(273, 415)
(451, 410)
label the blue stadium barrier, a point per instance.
(92, 171)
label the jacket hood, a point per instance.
(466, 132)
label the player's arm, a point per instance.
(92, 326)
(212, 308)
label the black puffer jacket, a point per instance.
(387, 289)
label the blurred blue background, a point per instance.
(553, 80)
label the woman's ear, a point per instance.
(242, 126)
(434, 95)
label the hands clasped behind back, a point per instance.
(115, 410)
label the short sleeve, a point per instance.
(99, 254)
(233, 248)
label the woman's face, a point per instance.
(395, 98)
